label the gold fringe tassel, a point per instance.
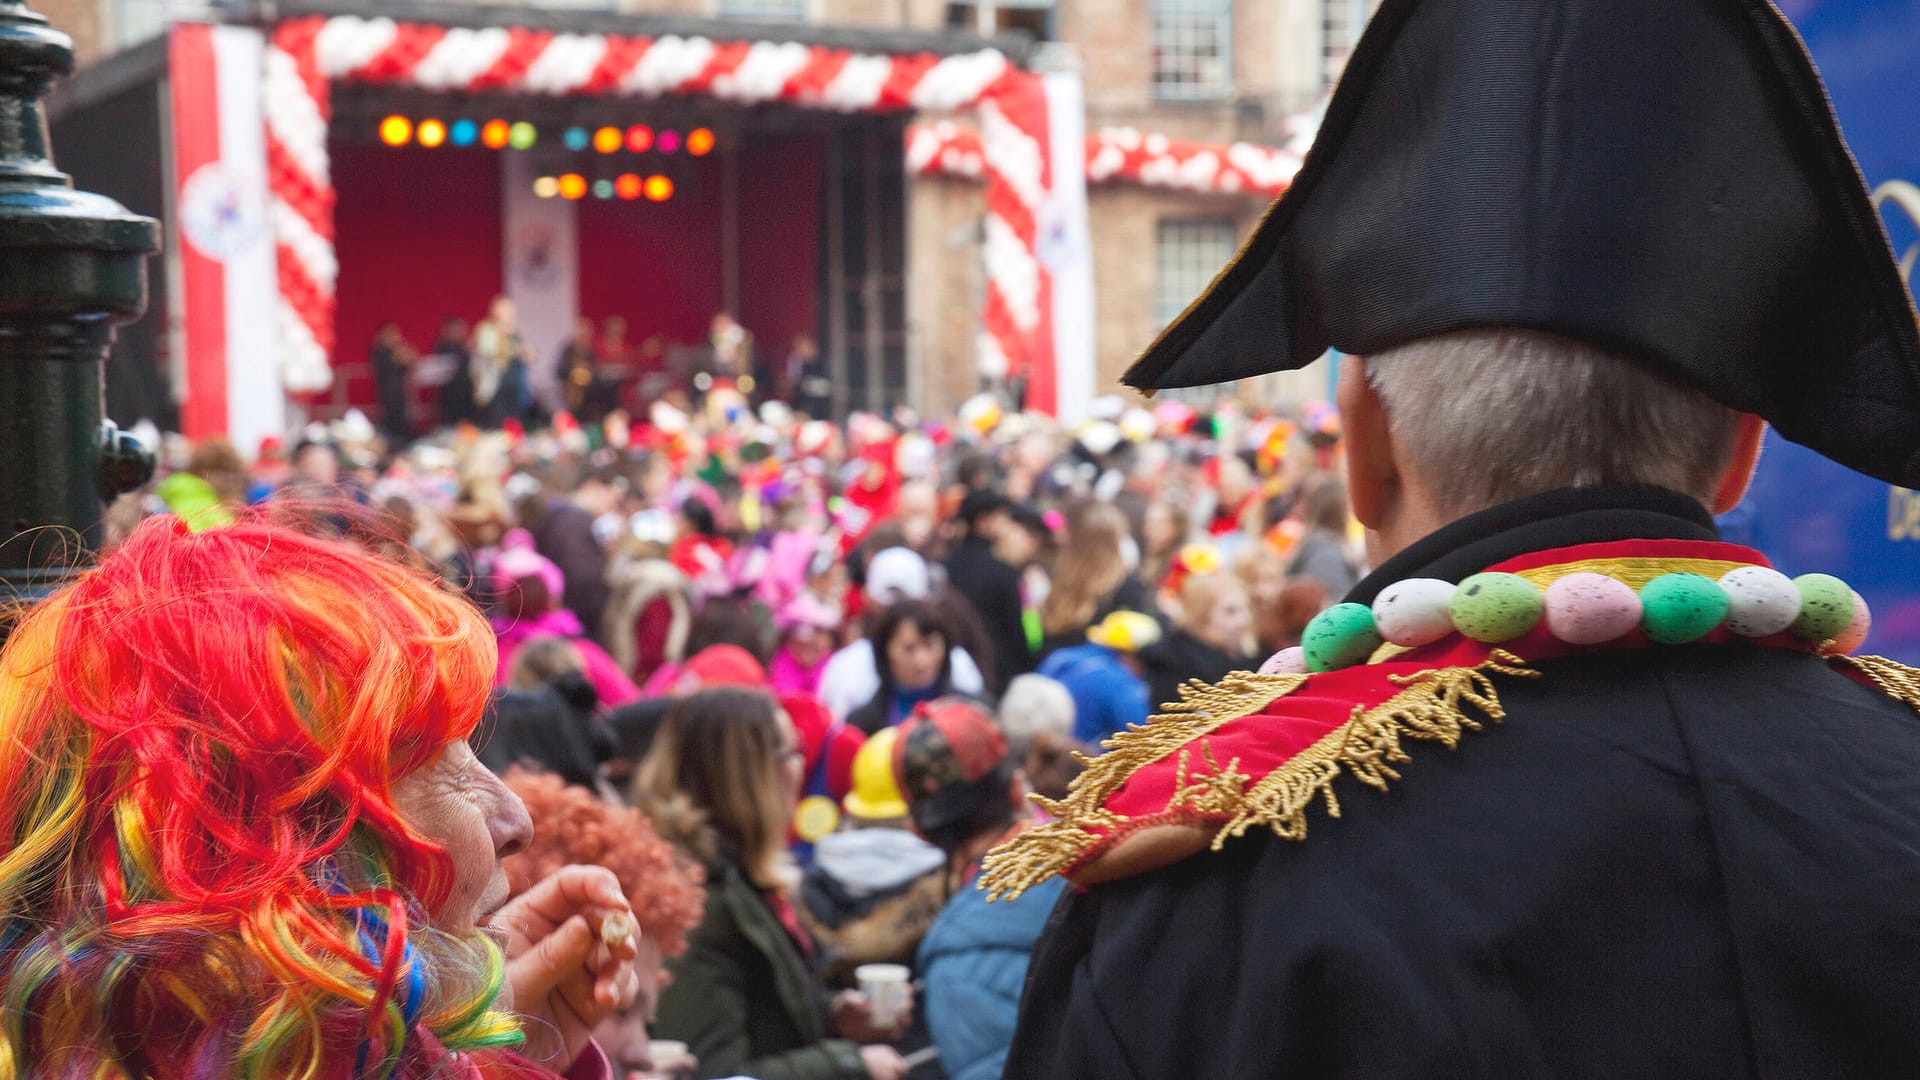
(1042, 852)
(1432, 708)
(1896, 680)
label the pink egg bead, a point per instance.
(1289, 661)
(1587, 609)
(1856, 633)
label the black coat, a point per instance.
(565, 535)
(1670, 862)
(993, 588)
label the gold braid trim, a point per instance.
(1046, 850)
(1896, 680)
(1431, 709)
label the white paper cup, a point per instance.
(887, 990)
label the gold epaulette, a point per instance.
(1896, 680)
(1046, 850)
(1209, 804)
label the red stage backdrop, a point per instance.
(419, 240)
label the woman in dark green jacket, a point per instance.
(721, 781)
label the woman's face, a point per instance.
(914, 657)
(1017, 546)
(1227, 625)
(1159, 529)
(809, 645)
(1268, 582)
(459, 804)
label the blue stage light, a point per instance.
(463, 132)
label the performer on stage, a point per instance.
(1568, 787)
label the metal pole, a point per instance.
(73, 265)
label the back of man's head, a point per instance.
(1489, 416)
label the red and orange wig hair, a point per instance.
(202, 870)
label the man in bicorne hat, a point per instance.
(1568, 787)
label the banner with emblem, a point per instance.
(227, 283)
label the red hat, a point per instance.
(722, 665)
(950, 761)
(818, 734)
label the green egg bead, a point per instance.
(1678, 608)
(1341, 636)
(1826, 607)
(1495, 607)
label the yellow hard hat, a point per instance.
(875, 795)
(1125, 631)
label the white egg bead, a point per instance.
(1760, 601)
(1588, 609)
(1414, 612)
(1288, 661)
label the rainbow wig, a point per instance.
(202, 871)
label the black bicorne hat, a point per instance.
(1661, 178)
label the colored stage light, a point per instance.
(639, 138)
(522, 136)
(431, 133)
(573, 186)
(607, 140)
(463, 133)
(396, 131)
(495, 134)
(603, 189)
(659, 188)
(668, 142)
(628, 186)
(699, 142)
(575, 139)
(546, 187)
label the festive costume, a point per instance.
(1531, 859)
(1569, 787)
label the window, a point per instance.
(1031, 17)
(1187, 255)
(1191, 48)
(791, 11)
(1340, 24)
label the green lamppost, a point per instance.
(73, 265)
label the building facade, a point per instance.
(1212, 72)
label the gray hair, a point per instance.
(1500, 414)
(1035, 705)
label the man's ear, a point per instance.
(1740, 465)
(1372, 475)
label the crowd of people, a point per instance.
(486, 372)
(790, 680)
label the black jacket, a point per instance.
(1682, 862)
(993, 588)
(565, 536)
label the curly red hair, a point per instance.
(572, 825)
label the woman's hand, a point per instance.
(568, 964)
(883, 1063)
(853, 1018)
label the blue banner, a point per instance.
(1805, 512)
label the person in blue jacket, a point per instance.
(1104, 675)
(965, 795)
